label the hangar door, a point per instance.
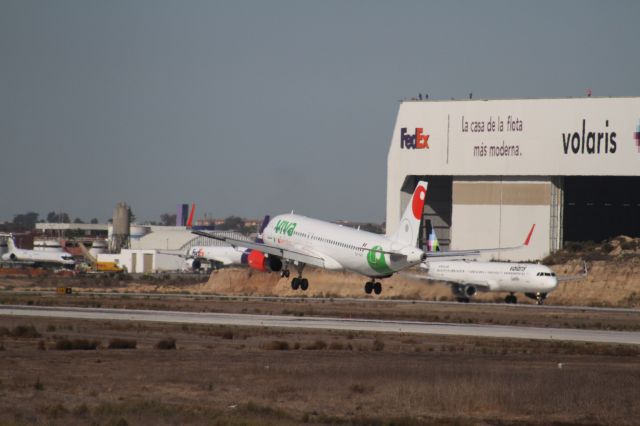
(600, 207)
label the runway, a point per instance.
(204, 296)
(282, 321)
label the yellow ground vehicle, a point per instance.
(108, 267)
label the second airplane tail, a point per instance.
(409, 226)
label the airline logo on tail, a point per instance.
(432, 242)
(409, 226)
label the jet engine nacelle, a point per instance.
(193, 264)
(467, 290)
(258, 261)
(470, 290)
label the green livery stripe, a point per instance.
(376, 260)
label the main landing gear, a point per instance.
(297, 282)
(511, 298)
(373, 286)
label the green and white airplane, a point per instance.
(295, 240)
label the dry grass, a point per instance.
(268, 376)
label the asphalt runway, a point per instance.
(319, 323)
(176, 296)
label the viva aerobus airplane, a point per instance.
(292, 239)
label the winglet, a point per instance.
(526, 242)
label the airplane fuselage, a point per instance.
(225, 255)
(39, 257)
(341, 247)
(495, 276)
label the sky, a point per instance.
(254, 107)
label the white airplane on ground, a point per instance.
(291, 239)
(469, 277)
(228, 255)
(37, 258)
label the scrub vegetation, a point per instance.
(275, 376)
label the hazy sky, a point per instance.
(253, 107)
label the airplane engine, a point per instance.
(470, 290)
(275, 263)
(193, 264)
(258, 261)
(464, 291)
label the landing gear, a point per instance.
(284, 273)
(298, 282)
(511, 298)
(538, 297)
(373, 286)
(463, 299)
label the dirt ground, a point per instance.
(231, 375)
(247, 376)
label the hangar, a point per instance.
(495, 167)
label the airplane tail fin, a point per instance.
(190, 220)
(264, 224)
(11, 245)
(432, 243)
(409, 226)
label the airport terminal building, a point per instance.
(495, 167)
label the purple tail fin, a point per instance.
(265, 222)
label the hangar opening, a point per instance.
(601, 207)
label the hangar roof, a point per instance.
(517, 137)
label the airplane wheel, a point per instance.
(368, 287)
(295, 283)
(511, 299)
(377, 288)
(284, 273)
(540, 301)
(463, 299)
(304, 284)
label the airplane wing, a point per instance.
(477, 252)
(297, 256)
(478, 283)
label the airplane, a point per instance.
(228, 255)
(467, 278)
(37, 258)
(292, 239)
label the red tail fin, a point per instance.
(190, 221)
